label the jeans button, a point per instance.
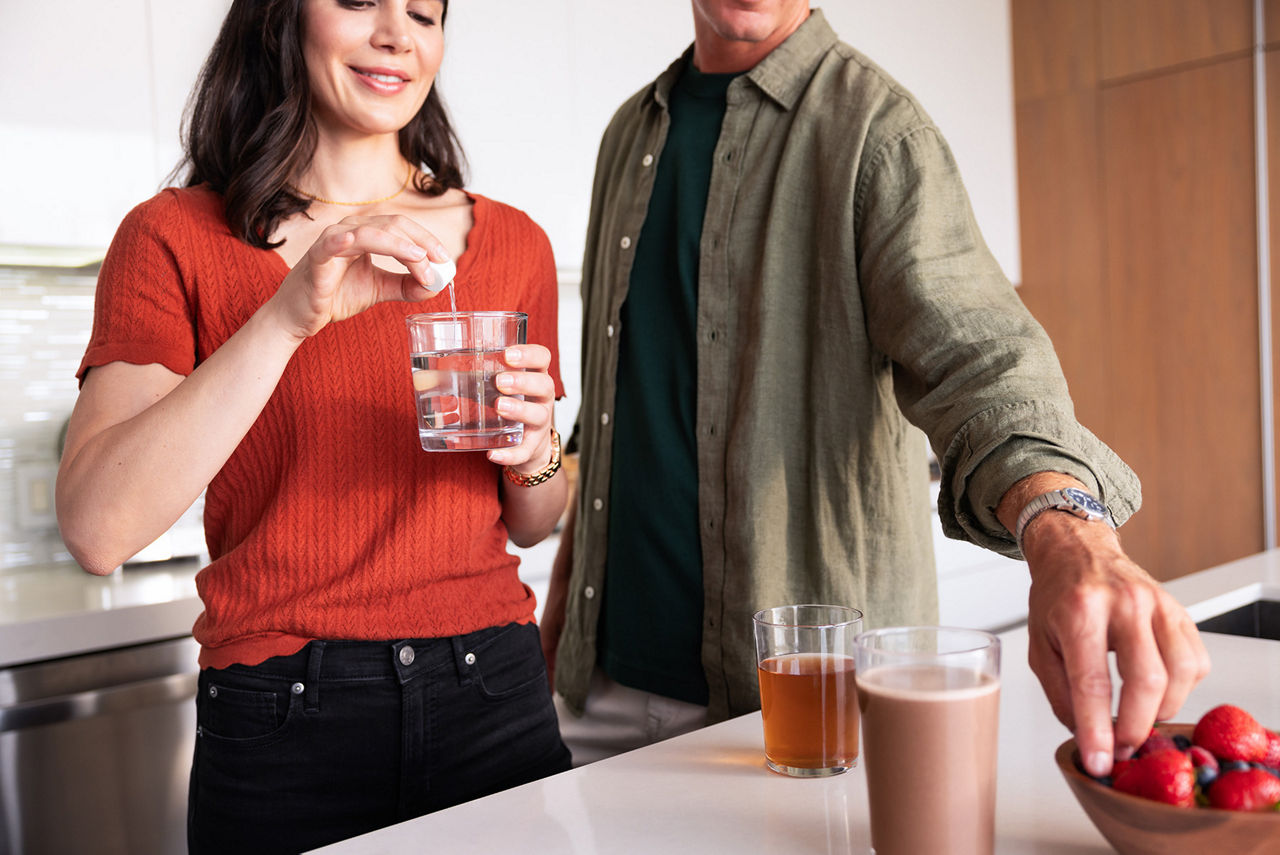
(470, 659)
(297, 688)
(406, 655)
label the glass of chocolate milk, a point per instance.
(930, 701)
(808, 699)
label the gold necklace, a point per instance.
(405, 186)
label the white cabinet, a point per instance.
(90, 99)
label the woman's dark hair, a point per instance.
(248, 127)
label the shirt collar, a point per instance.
(782, 75)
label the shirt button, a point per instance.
(647, 160)
(589, 592)
(609, 330)
(625, 243)
(597, 504)
(406, 655)
(604, 418)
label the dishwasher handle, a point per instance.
(80, 705)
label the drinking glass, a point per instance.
(930, 701)
(808, 699)
(455, 357)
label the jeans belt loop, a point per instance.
(459, 663)
(312, 692)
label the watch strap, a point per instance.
(1073, 500)
(543, 474)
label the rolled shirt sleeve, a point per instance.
(972, 367)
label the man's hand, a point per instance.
(1088, 598)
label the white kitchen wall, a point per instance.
(91, 94)
(533, 85)
(44, 327)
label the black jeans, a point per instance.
(345, 737)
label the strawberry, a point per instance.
(1156, 741)
(1272, 758)
(1230, 733)
(1165, 775)
(1247, 789)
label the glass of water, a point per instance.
(455, 357)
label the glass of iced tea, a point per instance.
(455, 357)
(930, 699)
(808, 697)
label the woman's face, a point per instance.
(370, 63)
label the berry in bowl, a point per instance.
(1213, 786)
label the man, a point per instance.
(782, 271)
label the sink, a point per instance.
(1259, 619)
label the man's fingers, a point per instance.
(1143, 681)
(1084, 657)
(1186, 660)
(1047, 665)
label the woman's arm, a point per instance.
(529, 512)
(143, 441)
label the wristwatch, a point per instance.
(543, 474)
(1073, 500)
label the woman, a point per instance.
(368, 651)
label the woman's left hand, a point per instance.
(530, 379)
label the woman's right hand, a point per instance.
(337, 278)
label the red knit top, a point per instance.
(329, 520)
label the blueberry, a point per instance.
(1181, 742)
(1270, 770)
(1234, 766)
(1206, 775)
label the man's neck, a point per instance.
(714, 54)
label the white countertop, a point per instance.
(1228, 586)
(709, 791)
(60, 610)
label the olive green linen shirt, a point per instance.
(844, 295)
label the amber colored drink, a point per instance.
(809, 703)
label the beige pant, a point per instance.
(618, 718)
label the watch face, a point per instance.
(1084, 500)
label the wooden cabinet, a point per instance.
(1137, 192)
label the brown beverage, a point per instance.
(930, 733)
(809, 703)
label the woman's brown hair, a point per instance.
(248, 127)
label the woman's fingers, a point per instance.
(536, 396)
(418, 248)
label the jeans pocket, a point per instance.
(510, 663)
(247, 715)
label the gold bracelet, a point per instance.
(543, 474)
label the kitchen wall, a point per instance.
(44, 327)
(531, 87)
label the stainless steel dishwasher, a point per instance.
(95, 751)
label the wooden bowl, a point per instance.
(1138, 826)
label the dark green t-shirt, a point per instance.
(651, 619)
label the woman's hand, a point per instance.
(531, 380)
(337, 278)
